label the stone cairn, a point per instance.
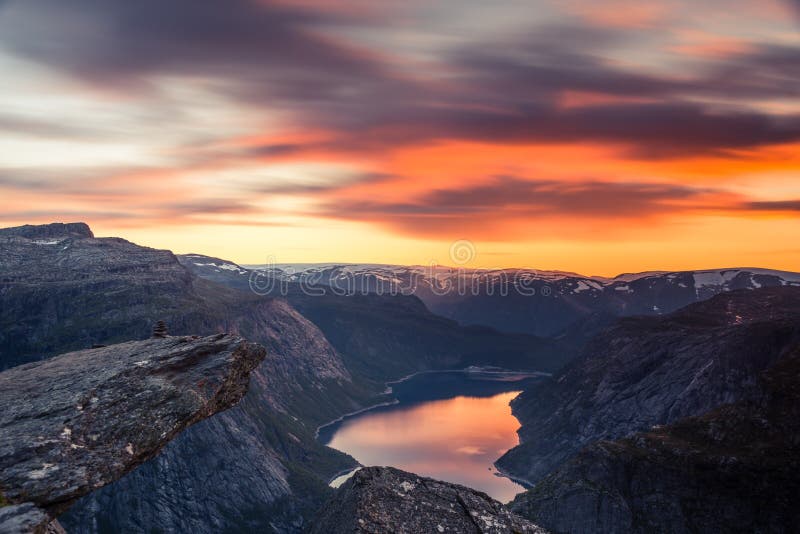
(160, 329)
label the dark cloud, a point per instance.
(509, 197)
(282, 149)
(507, 90)
(774, 205)
(106, 38)
(207, 206)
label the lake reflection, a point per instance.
(449, 426)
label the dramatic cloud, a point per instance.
(405, 119)
(776, 205)
(509, 198)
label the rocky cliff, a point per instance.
(647, 371)
(734, 469)
(254, 467)
(383, 499)
(257, 466)
(77, 422)
(71, 290)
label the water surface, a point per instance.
(447, 425)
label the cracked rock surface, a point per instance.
(78, 421)
(384, 499)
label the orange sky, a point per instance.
(575, 136)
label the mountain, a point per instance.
(257, 466)
(76, 422)
(733, 469)
(543, 303)
(381, 336)
(71, 290)
(647, 371)
(384, 499)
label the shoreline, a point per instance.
(389, 390)
(525, 483)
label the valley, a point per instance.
(266, 464)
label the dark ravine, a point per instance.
(81, 420)
(649, 371)
(383, 499)
(734, 469)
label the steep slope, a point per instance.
(654, 370)
(81, 420)
(73, 290)
(384, 499)
(385, 336)
(62, 289)
(255, 467)
(734, 469)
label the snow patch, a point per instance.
(407, 486)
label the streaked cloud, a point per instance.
(408, 120)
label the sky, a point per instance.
(595, 137)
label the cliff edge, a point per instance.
(78, 421)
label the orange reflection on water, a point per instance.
(456, 440)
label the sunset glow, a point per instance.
(583, 136)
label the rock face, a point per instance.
(383, 499)
(76, 422)
(52, 230)
(654, 370)
(735, 469)
(61, 289)
(255, 467)
(384, 337)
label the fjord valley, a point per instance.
(609, 396)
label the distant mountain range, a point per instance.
(542, 303)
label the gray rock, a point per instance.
(734, 469)
(25, 517)
(257, 466)
(79, 421)
(649, 371)
(383, 499)
(40, 231)
(240, 470)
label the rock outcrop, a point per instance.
(78, 421)
(53, 230)
(735, 469)
(61, 289)
(649, 371)
(383, 499)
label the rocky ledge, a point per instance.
(76, 422)
(384, 499)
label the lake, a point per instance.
(446, 425)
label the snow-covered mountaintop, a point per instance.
(702, 278)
